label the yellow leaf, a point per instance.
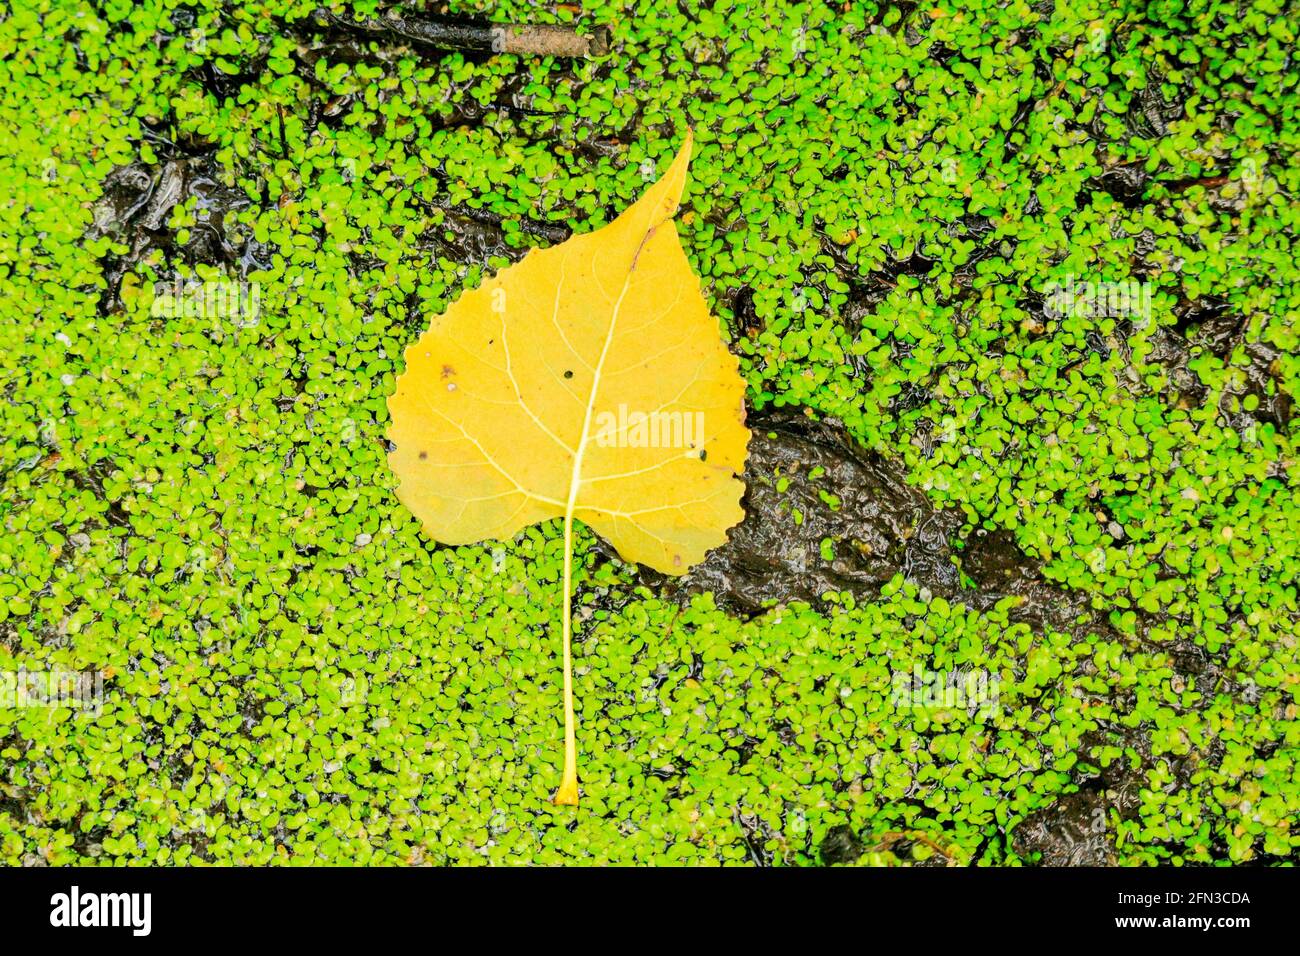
(586, 382)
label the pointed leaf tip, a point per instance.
(666, 194)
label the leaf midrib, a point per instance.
(575, 477)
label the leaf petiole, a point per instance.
(567, 795)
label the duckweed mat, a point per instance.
(1013, 287)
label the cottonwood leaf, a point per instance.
(587, 382)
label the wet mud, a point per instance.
(1209, 325)
(136, 207)
(824, 514)
(1073, 831)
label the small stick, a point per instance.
(534, 39)
(886, 841)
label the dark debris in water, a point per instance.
(797, 468)
(476, 236)
(1210, 325)
(1078, 829)
(840, 845)
(809, 482)
(135, 209)
(1072, 831)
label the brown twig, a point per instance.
(886, 841)
(448, 34)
